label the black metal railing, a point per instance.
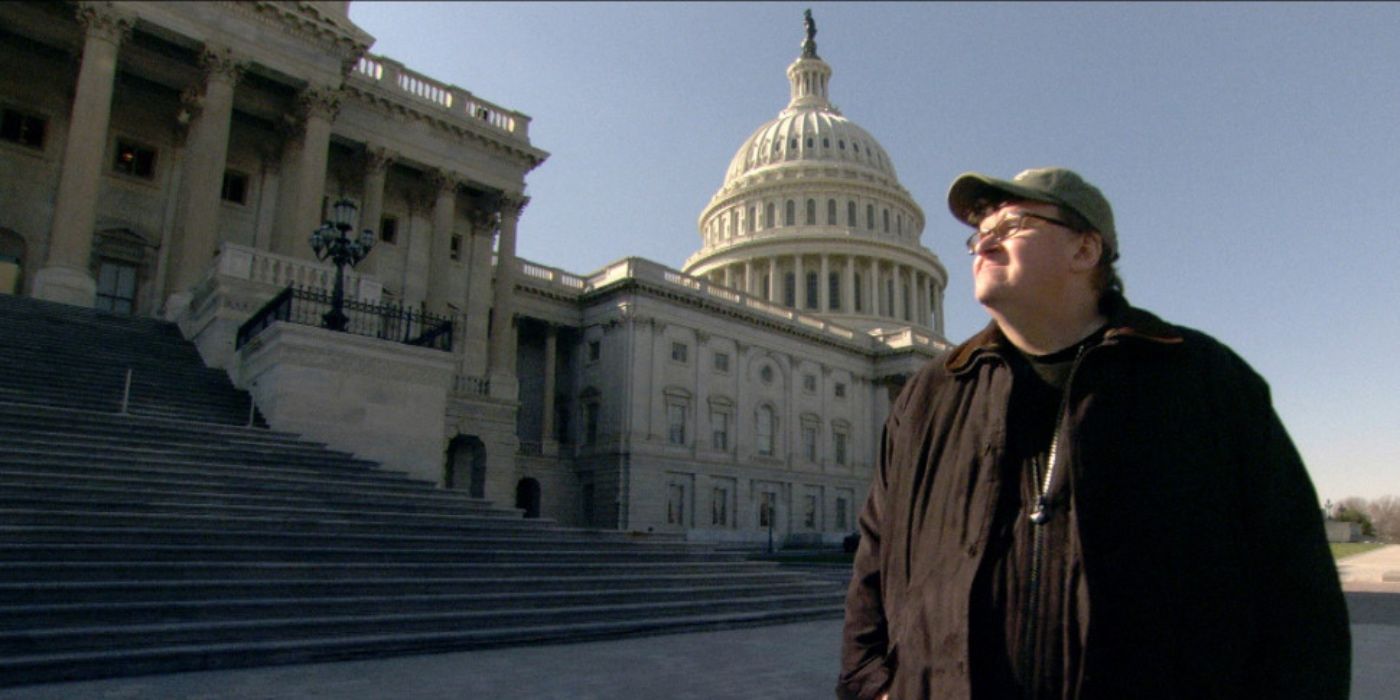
(308, 307)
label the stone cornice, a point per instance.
(306, 21)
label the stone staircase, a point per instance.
(176, 536)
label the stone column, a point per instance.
(774, 296)
(377, 162)
(750, 286)
(848, 286)
(872, 282)
(799, 284)
(478, 306)
(501, 353)
(897, 274)
(66, 275)
(549, 445)
(303, 183)
(196, 235)
(924, 301)
(727, 276)
(444, 186)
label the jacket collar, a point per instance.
(1124, 321)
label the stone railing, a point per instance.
(909, 337)
(393, 77)
(279, 271)
(471, 386)
(644, 270)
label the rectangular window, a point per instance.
(719, 426)
(595, 350)
(809, 513)
(840, 390)
(235, 187)
(809, 442)
(389, 230)
(116, 287)
(838, 447)
(23, 129)
(856, 302)
(590, 423)
(675, 420)
(722, 362)
(763, 431)
(812, 280)
(767, 509)
(789, 290)
(454, 247)
(134, 159)
(719, 507)
(679, 351)
(675, 505)
(833, 289)
(809, 383)
(841, 513)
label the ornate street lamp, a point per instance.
(332, 241)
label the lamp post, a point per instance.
(332, 241)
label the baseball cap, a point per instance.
(1059, 186)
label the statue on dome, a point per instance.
(809, 45)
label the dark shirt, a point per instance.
(1030, 609)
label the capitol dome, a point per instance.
(811, 216)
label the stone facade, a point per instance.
(171, 159)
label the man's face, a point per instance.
(1031, 266)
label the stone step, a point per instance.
(20, 572)
(475, 550)
(61, 592)
(30, 415)
(249, 475)
(21, 486)
(210, 453)
(67, 614)
(51, 667)
(59, 639)
(26, 492)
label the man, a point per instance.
(1083, 501)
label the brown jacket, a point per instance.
(1207, 564)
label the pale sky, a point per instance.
(1250, 151)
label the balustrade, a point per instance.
(393, 77)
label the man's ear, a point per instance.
(1086, 256)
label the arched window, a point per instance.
(764, 428)
(833, 288)
(887, 221)
(826, 142)
(748, 221)
(812, 281)
(809, 142)
(899, 224)
(855, 291)
(768, 220)
(851, 214)
(792, 144)
(790, 214)
(789, 290)
(811, 212)
(831, 212)
(870, 216)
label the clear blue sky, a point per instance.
(1251, 153)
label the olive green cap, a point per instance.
(1059, 186)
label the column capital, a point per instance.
(443, 181)
(512, 205)
(318, 101)
(102, 20)
(378, 159)
(221, 63)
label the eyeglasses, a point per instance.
(1009, 227)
